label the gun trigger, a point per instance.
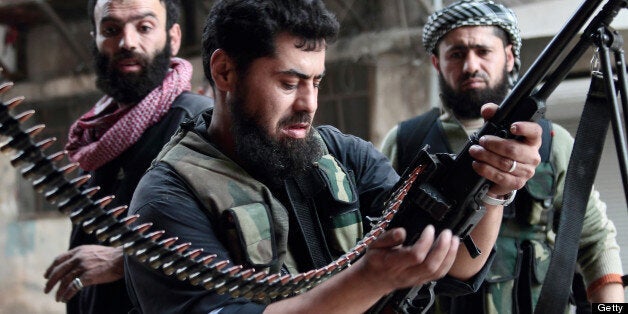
(474, 251)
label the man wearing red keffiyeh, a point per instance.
(146, 98)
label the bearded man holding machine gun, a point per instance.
(475, 48)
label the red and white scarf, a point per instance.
(108, 129)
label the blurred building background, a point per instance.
(377, 74)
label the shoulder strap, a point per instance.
(411, 134)
(583, 165)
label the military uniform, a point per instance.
(198, 194)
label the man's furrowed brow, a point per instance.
(301, 75)
(133, 18)
(467, 47)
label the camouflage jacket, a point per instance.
(199, 195)
(254, 222)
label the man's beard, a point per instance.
(265, 158)
(131, 88)
(467, 104)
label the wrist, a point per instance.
(501, 200)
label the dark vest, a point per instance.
(253, 221)
(120, 177)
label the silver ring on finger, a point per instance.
(513, 167)
(77, 284)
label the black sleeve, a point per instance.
(451, 286)
(374, 174)
(163, 199)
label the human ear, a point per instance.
(175, 38)
(435, 62)
(510, 58)
(222, 70)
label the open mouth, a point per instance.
(129, 65)
(296, 130)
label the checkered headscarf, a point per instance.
(97, 138)
(474, 13)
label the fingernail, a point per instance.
(513, 128)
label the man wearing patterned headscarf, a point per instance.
(475, 48)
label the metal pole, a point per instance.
(434, 88)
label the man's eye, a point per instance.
(289, 86)
(484, 52)
(145, 28)
(110, 31)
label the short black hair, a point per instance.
(173, 12)
(246, 29)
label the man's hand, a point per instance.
(92, 264)
(495, 157)
(386, 266)
(390, 264)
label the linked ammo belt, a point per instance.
(144, 244)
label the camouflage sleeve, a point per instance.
(163, 199)
(598, 253)
(374, 175)
(389, 146)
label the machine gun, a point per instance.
(448, 193)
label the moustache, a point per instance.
(300, 117)
(476, 74)
(127, 54)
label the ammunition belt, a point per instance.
(145, 245)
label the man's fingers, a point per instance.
(495, 157)
(57, 274)
(58, 260)
(424, 243)
(68, 292)
(450, 257)
(65, 269)
(524, 150)
(439, 257)
(390, 238)
(488, 110)
(438, 251)
(502, 165)
(530, 131)
(63, 293)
